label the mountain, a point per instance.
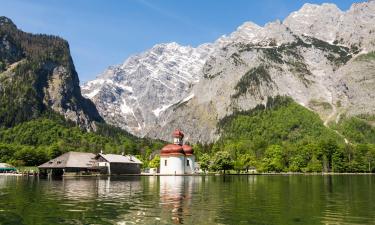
(321, 57)
(37, 77)
(134, 94)
(42, 111)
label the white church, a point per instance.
(177, 158)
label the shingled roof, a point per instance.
(113, 158)
(71, 160)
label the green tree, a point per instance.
(370, 158)
(238, 165)
(314, 165)
(247, 161)
(155, 162)
(273, 159)
(6, 152)
(31, 156)
(204, 162)
(329, 146)
(222, 161)
(338, 161)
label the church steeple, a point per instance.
(178, 137)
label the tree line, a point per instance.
(35, 142)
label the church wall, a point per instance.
(175, 164)
(189, 169)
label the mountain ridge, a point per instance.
(312, 61)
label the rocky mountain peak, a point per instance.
(306, 57)
(320, 21)
(146, 84)
(310, 9)
(6, 21)
(327, 22)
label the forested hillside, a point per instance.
(284, 136)
(34, 142)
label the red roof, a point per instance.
(188, 150)
(172, 149)
(178, 133)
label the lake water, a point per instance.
(269, 199)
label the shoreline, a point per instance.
(200, 174)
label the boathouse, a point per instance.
(177, 158)
(83, 163)
(118, 164)
(70, 163)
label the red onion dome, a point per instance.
(177, 133)
(172, 149)
(188, 150)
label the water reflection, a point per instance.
(175, 196)
(119, 187)
(189, 200)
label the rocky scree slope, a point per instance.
(320, 56)
(37, 76)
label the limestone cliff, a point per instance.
(37, 76)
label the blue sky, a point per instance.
(103, 33)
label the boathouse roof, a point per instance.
(113, 158)
(71, 160)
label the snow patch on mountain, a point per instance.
(137, 91)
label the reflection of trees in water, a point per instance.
(189, 200)
(96, 188)
(341, 205)
(79, 188)
(6, 180)
(102, 200)
(121, 188)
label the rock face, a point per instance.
(134, 94)
(320, 56)
(37, 75)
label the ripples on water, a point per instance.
(297, 199)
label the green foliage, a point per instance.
(280, 120)
(284, 136)
(155, 162)
(32, 156)
(222, 161)
(314, 165)
(34, 142)
(251, 81)
(339, 55)
(356, 130)
(204, 161)
(244, 162)
(273, 159)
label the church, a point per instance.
(177, 158)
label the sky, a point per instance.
(106, 32)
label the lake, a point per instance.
(248, 199)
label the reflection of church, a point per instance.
(177, 158)
(175, 197)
